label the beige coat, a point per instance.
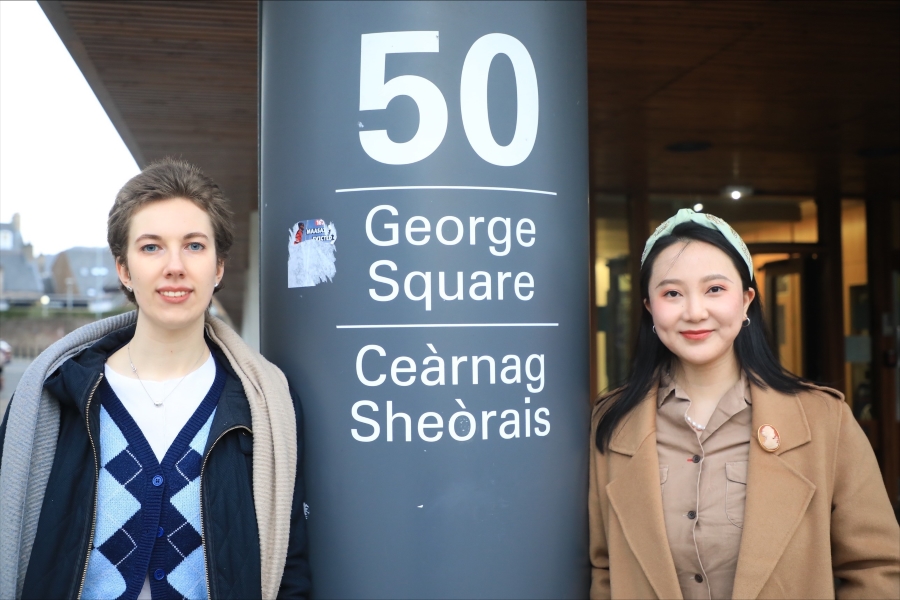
(816, 508)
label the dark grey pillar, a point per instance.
(424, 266)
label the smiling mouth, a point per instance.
(178, 294)
(696, 335)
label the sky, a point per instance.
(61, 159)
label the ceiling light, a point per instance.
(736, 192)
(698, 207)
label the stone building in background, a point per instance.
(20, 279)
(85, 275)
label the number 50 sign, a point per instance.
(375, 94)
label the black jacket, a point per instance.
(58, 560)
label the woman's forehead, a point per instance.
(692, 260)
(169, 217)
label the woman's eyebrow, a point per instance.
(669, 282)
(154, 237)
(147, 236)
(702, 280)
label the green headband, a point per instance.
(686, 215)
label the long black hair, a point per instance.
(751, 347)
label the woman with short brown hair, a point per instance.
(153, 454)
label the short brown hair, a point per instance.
(163, 180)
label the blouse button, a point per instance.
(696, 458)
(692, 514)
(698, 578)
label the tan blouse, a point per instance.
(704, 485)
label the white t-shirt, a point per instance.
(162, 424)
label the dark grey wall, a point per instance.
(483, 511)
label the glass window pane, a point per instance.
(857, 343)
(612, 296)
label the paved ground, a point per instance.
(11, 374)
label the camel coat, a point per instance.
(816, 508)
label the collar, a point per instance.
(233, 409)
(636, 425)
(73, 381)
(667, 389)
(76, 377)
(731, 400)
(782, 411)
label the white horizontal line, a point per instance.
(408, 325)
(445, 187)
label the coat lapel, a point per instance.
(777, 494)
(636, 499)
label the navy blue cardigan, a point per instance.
(58, 558)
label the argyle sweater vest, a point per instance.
(148, 513)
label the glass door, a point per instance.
(794, 313)
(784, 301)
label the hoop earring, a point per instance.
(654, 329)
(746, 322)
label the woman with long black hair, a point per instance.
(715, 472)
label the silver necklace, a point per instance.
(152, 399)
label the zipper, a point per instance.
(87, 421)
(202, 528)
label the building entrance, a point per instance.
(793, 310)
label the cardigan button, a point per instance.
(160, 532)
(159, 574)
(157, 480)
(696, 458)
(698, 578)
(692, 514)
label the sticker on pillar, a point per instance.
(311, 253)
